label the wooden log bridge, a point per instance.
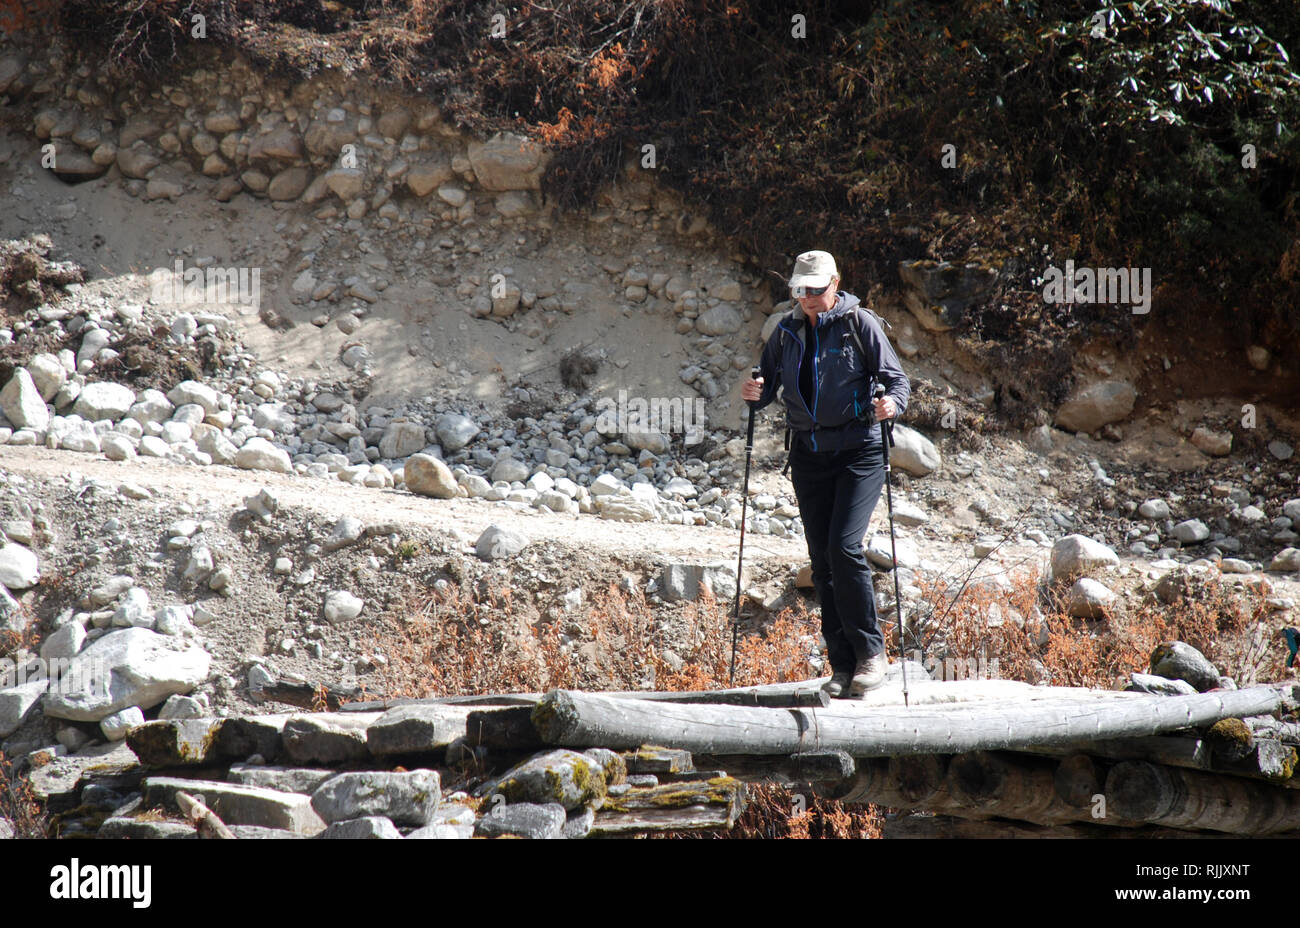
(567, 718)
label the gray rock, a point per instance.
(685, 582)
(132, 667)
(455, 431)
(1154, 509)
(523, 820)
(1280, 450)
(64, 642)
(496, 543)
(17, 702)
(565, 777)
(913, 452)
(264, 505)
(427, 476)
(103, 401)
(1097, 405)
(880, 553)
(401, 439)
(237, 804)
(509, 469)
(719, 320)
(342, 606)
(579, 824)
(260, 454)
(347, 531)
(1149, 683)
(181, 708)
(371, 827)
(327, 738)
(407, 798)
(284, 779)
(19, 567)
(1177, 660)
(276, 417)
(415, 729)
(1078, 554)
(117, 827)
(1286, 560)
(135, 611)
(116, 726)
(21, 402)
(1191, 531)
(1090, 599)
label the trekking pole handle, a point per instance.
(886, 425)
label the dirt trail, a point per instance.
(229, 486)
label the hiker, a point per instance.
(828, 353)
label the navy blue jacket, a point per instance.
(843, 378)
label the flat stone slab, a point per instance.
(416, 729)
(236, 804)
(58, 780)
(284, 779)
(327, 737)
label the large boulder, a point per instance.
(456, 431)
(406, 797)
(48, 373)
(132, 667)
(496, 543)
(260, 454)
(426, 475)
(402, 439)
(567, 778)
(200, 394)
(913, 452)
(1097, 405)
(22, 403)
(1177, 660)
(104, 401)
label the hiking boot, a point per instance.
(837, 684)
(869, 674)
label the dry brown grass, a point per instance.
(1230, 625)
(18, 804)
(442, 643)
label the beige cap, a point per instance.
(814, 269)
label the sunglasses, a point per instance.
(799, 292)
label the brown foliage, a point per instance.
(19, 805)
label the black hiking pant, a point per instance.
(837, 492)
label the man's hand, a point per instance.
(885, 408)
(752, 390)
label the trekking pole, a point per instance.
(744, 505)
(887, 440)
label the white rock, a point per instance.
(913, 452)
(22, 404)
(64, 642)
(134, 612)
(191, 391)
(1155, 509)
(19, 568)
(151, 406)
(1076, 554)
(118, 724)
(340, 606)
(1191, 531)
(117, 447)
(1090, 599)
(260, 454)
(132, 667)
(103, 401)
(48, 375)
(16, 702)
